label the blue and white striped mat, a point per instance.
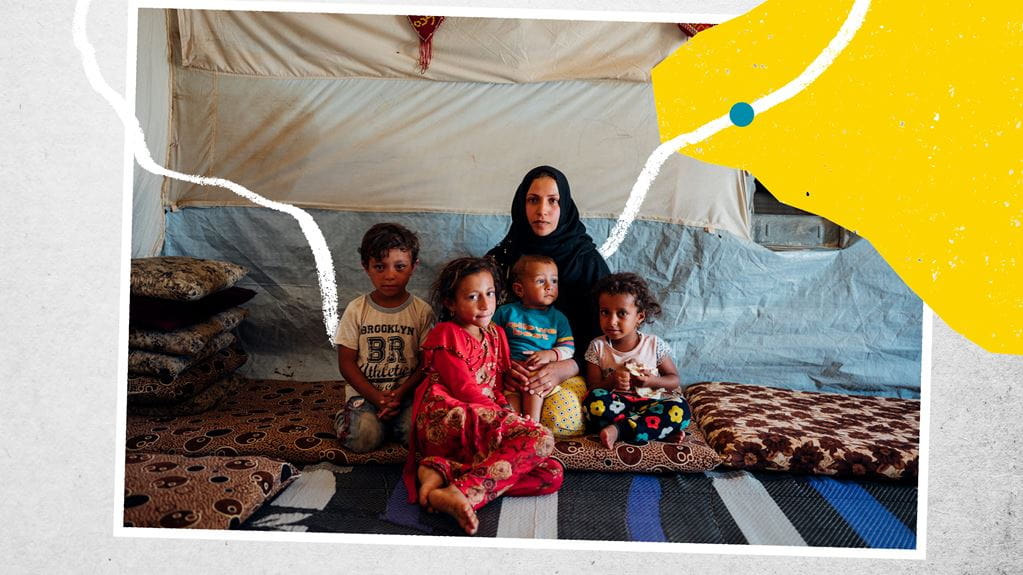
(733, 507)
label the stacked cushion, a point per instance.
(182, 349)
(186, 340)
(763, 428)
(212, 371)
(181, 278)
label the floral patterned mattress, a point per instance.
(762, 428)
(294, 421)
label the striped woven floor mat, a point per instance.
(726, 507)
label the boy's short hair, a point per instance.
(523, 262)
(384, 237)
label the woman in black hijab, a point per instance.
(545, 221)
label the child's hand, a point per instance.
(639, 373)
(538, 358)
(387, 404)
(622, 380)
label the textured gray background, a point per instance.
(62, 174)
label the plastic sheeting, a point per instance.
(837, 321)
(386, 46)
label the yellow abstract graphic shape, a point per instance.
(913, 138)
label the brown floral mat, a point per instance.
(755, 427)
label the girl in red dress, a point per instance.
(467, 447)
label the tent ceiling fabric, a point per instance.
(386, 46)
(410, 144)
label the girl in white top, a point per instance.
(634, 384)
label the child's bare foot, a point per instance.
(609, 435)
(429, 479)
(453, 502)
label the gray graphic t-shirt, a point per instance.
(387, 339)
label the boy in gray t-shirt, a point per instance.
(378, 341)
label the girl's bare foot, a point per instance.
(453, 502)
(609, 435)
(429, 479)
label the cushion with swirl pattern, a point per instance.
(168, 366)
(289, 420)
(198, 403)
(175, 491)
(182, 278)
(691, 455)
(160, 390)
(188, 340)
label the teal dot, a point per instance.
(741, 114)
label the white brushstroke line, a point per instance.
(313, 235)
(852, 24)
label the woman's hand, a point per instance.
(518, 376)
(546, 377)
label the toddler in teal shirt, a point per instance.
(537, 332)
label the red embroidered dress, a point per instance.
(462, 426)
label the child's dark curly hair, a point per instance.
(451, 275)
(632, 284)
(384, 237)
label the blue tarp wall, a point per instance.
(837, 321)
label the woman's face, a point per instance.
(543, 206)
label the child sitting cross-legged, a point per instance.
(634, 385)
(378, 341)
(467, 448)
(537, 333)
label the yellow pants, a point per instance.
(563, 409)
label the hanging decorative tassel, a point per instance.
(692, 29)
(425, 26)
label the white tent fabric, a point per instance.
(386, 46)
(411, 144)
(327, 112)
(152, 107)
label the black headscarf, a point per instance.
(580, 265)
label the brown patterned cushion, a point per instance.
(187, 340)
(691, 455)
(165, 314)
(182, 278)
(287, 420)
(163, 490)
(198, 403)
(167, 366)
(154, 390)
(755, 427)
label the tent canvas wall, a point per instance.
(330, 113)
